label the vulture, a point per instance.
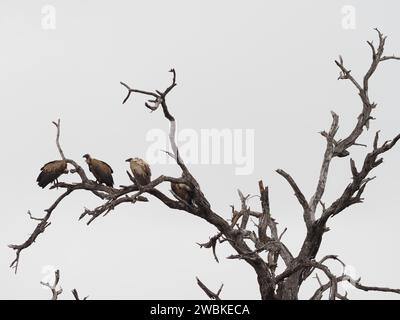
(140, 170)
(183, 191)
(101, 170)
(51, 171)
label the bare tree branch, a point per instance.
(212, 244)
(368, 106)
(76, 295)
(58, 126)
(355, 283)
(352, 194)
(358, 285)
(55, 292)
(266, 214)
(300, 196)
(330, 146)
(209, 293)
(40, 228)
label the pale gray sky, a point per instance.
(261, 65)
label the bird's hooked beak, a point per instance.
(128, 160)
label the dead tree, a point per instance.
(237, 232)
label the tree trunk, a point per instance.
(267, 289)
(289, 289)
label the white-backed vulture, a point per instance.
(183, 191)
(101, 170)
(140, 170)
(51, 171)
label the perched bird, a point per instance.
(51, 171)
(140, 170)
(101, 170)
(183, 191)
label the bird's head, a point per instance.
(87, 157)
(135, 161)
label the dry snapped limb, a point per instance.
(76, 295)
(56, 290)
(257, 233)
(263, 234)
(208, 292)
(212, 243)
(53, 287)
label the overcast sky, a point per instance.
(262, 66)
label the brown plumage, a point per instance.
(140, 170)
(183, 191)
(51, 171)
(101, 170)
